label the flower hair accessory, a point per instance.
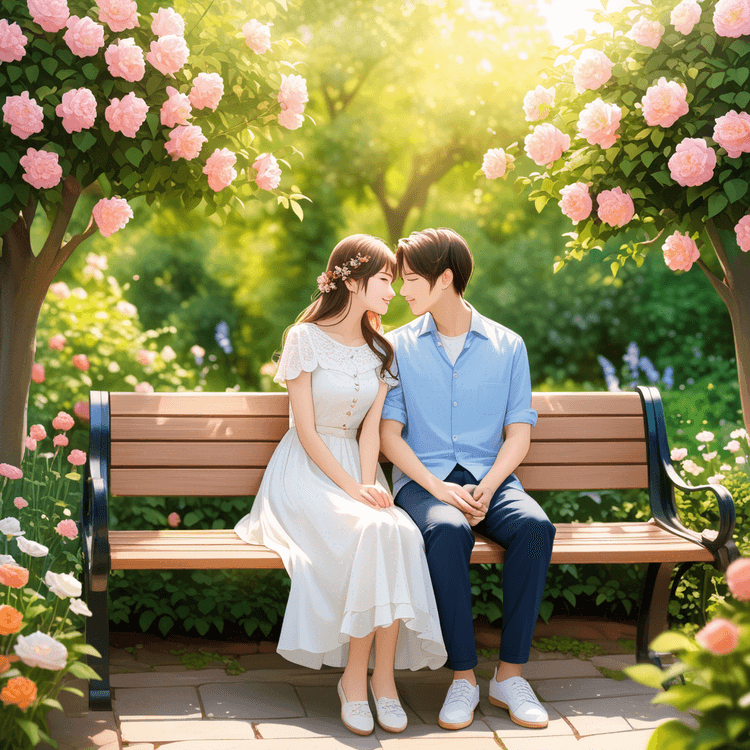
(325, 280)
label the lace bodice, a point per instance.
(344, 378)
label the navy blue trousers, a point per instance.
(514, 520)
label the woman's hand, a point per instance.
(374, 495)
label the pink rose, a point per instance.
(546, 144)
(257, 36)
(20, 503)
(732, 18)
(269, 173)
(220, 169)
(60, 289)
(119, 15)
(592, 70)
(37, 431)
(685, 16)
(76, 457)
(98, 261)
(81, 410)
(538, 103)
(145, 357)
(680, 252)
(58, 341)
(51, 15)
(81, 361)
(30, 444)
(126, 308)
(678, 454)
(37, 373)
(293, 93)
(738, 579)
(167, 22)
(615, 207)
(692, 163)
(742, 230)
(185, 142)
(497, 163)
(12, 42)
(63, 421)
(126, 115)
(664, 102)
(290, 120)
(174, 520)
(59, 441)
(647, 33)
(705, 436)
(176, 110)
(168, 54)
(125, 60)
(111, 215)
(576, 202)
(23, 114)
(68, 527)
(144, 388)
(11, 472)
(598, 123)
(41, 168)
(732, 132)
(208, 88)
(84, 37)
(720, 637)
(77, 109)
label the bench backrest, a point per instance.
(218, 444)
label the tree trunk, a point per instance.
(24, 281)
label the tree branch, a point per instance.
(67, 249)
(721, 253)
(70, 194)
(29, 212)
(721, 288)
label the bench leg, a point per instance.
(97, 634)
(652, 616)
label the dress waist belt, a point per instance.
(335, 431)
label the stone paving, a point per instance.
(275, 705)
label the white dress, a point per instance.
(353, 567)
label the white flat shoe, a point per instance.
(390, 714)
(356, 715)
(458, 709)
(517, 696)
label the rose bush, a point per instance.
(41, 645)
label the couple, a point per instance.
(435, 396)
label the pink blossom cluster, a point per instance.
(119, 15)
(576, 201)
(126, 115)
(111, 214)
(220, 169)
(207, 90)
(742, 230)
(732, 18)
(84, 37)
(592, 70)
(546, 144)
(51, 15)
(497, 163)
(680, 251)
(664, 102)
(292, 97)
(646, 33)
(685, 16)
(732, 132)
(12, 41)
(125, 60)
(41, 168)
(177, 109)
(598, 123)
(167, 21)
(692, 162)
(23, 114)
(538, 103)
(615, 207)
(77, 110)
(269, 172)
(168, 54)
(257, 36)
(185, 142)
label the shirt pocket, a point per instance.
(489, 397)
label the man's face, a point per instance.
(416, 291)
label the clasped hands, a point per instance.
(471, 499)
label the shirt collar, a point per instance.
(477, 324)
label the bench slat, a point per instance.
(221, 548)
(240, 482)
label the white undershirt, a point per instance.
(452, 345)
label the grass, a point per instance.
(566, 645)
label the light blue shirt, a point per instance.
(455, 414)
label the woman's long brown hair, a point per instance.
(332, 304)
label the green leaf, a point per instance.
(539, 203)
(9, 165)
(14, 72)
(52, 703)
(32, 73)
(626, 167)
(657, 137)
(647, 674)
(31, 730)
(84, 671)
(715, 80)
(671, 641)
(165, 624)
(648, 157)
(84, 140)
(73, 476)
(134, 156)
(672, 735)
(192, 517)
(738, 75)
(153, 85)
(86, 648)
(681, 697)
(90, 71)
(708, 43)
(297, 209)
(145, 620)
(49, 64)
(735, 189)
(105, 185)
(716, 204)
(6, 193)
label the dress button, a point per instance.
(455, 374)
(354, 401)
(348, 414)
(440, 343)
(455, 403)
(455, 437)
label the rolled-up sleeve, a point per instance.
(519, 399)
(395, 405)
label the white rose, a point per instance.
(79, 607)
(678, 454)
(7, 560)
(63, 584)
(732, 446)
(32, 548)
(41, 650)
(168, 354)
(10, 527)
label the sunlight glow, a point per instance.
(565, 17)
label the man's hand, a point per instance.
(471, 518)
(454, 494)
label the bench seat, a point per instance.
(574, 543)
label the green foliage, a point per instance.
(202, 658)
(566, 645)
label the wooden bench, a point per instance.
(218, 444)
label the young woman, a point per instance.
(357, 563)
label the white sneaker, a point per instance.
(356, 715)
(516, 695)
(391, 716)
(458, 709)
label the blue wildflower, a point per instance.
(222, 337)
(610, 376)
(649, 370)
(668, 377)
(631, 359)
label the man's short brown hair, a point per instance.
(430, 252)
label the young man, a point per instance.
(455, 428)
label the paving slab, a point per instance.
(424, 699)
(266, 661)
(301, 728)
(636, 710)
(328, 743)
(94, 730)
(504, 728)
(204, 676)
(476, 730)
(250, 700)
(621, 741)
(144, 704)
(582, 688)
(559, 669)
(173, 731)
(154, 658)
(453, 743)
(614, 661)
